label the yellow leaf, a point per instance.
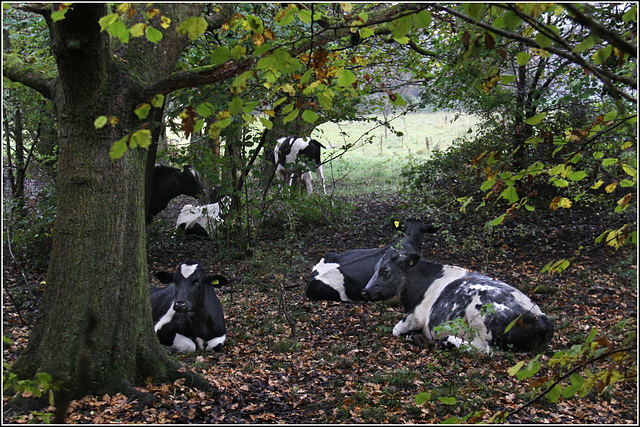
(346, 7)
(165, 22)
(223, 115)
(137, 30)
(289, 89)
(270, 113)
(123, 8)
(611, 187)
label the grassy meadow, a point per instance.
(376, 158)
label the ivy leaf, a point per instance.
(153, 35)
(194, 27)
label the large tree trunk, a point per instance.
(94, 332)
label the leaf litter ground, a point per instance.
(291, 360)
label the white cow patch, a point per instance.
(207, 216)
(329, 274)
(526, 303)
(475, 320)
(187, 270)
(165, 319)
(183, 344)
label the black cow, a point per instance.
(170, 182)
(341, 277)
(187, 315)
(290, 153)
(433, 294)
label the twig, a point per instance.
(24, 276)
(566, 375)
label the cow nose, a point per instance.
(180, 306)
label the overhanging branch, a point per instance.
(17, 70)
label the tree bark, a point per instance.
(94, 332)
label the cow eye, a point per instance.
(384, 271)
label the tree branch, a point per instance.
(600, 30)
(602, 74)
(17, 70)
(215, 22)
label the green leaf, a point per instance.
(507, 79)
(119, 30)
(224, 122)
(194, 27)
(542, 40)
(100, 121)
(366, 32)
(346, 78)
(106, 21)
(629, 170)
(118, 148)
(577, 176)
(510, 193)
(554, 394)
(497, 221)
(266, 122)
(199, 125)
(452, 420)
(142, 138)
(609, 161)
(610, 115)
(558, 169)
(235, 106)
(250, 106)
(142, 110)
(532, 368)
(560, 183)
(602, 55)
(279, 60)
(522, 58)
(576, 383)
(309, 116)
(158, 101)
(536, 119)
(255, 23)
(511, 325)
(58, 15)
(292, 115)
(220, 55)
(401, 26)
(423, 397)
(448, 400)
(587, 43)
(422, 19)
(240, 83)
(204, 109)
(515, 368)
(153, 35)
(487, 184)
(288, 108)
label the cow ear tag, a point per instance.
(397, 224)
(410, 262)
(214, 282)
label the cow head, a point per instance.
(390, 275)
(190, 281)
(190, 182)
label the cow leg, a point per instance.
(405, 326)
(321, 178)
(307, 180)
(183, 344)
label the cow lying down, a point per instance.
(187, 314)
(341, 277)
(202, 220)
(433, 294)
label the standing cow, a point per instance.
(341, 277)
(433, 294)
(170, 182)
(187, 314)
(291, 155)
(202, 220)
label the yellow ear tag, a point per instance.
(410, 262)
(215, 282)
(397, 224)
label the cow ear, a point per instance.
(413, 259)
(165, 276)
(216, 280)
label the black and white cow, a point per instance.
(341, 277)
(170, 182)
(291, 156)
(433, 294)
(202, 220)
(187, 315)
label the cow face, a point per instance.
(390, 275)
(190, 182)
(190, 281)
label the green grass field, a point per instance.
(376, 159)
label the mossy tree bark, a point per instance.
(94, 332)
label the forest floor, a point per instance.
(288, 359)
